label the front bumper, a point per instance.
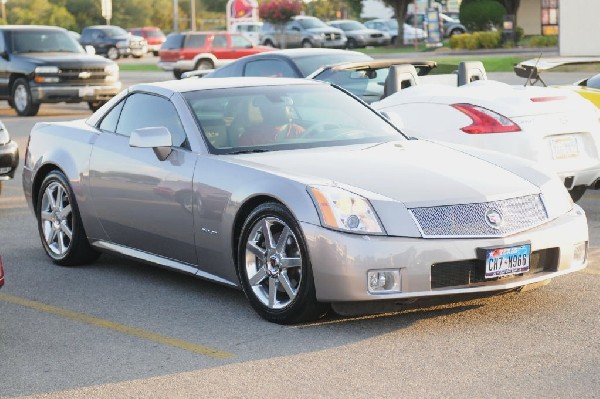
(341, 261)
(9, 160)
(74, 94)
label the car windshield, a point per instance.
(285, 117)
(41, 41)
(392, 24)
(350, 26)
(310, 64)
(115, 31)
(312, 23)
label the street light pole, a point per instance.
(175, 16)
(193, 14)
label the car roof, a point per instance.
(30, 27)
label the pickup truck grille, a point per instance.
(82, 76)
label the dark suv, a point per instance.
(44, 64)
(113, 41)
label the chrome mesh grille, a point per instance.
(470, 220)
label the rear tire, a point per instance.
(177, 73)
(307, 43)
(59, 223)
(352, 43)
(203, 65)
(269, 43)
(274, 267)
(112, 53)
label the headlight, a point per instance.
(112, 69)
(4, 137)
(46, 69)
(556, 198)
(342, 210)
(122, 44)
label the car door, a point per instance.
(293, 34)
(220, 48)
(4, 70)
(142, 202)
(241, 46)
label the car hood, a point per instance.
(63, 59)
(416, 173)
(508, 100)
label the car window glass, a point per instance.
(594, 82)
(195, 41)
(240, 42)
(174, 41)
(146, 110)
(109, 122)
(40, 41)
(269, 68)
(292, 27)
(219, 41)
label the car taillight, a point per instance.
(485, 121)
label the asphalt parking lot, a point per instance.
(122, 329)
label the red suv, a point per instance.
(154, 37)
(186, 51)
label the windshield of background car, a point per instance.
(393, 24)
(310, 64)
(41, 41)
(350, 26)
(312, 23)
(285, 117)
(115, 32)
(155, 33)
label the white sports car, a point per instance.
(555, 128)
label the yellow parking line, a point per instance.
(124, 329)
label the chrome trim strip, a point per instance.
(159, 260)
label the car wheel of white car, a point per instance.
(21, 99)
(274, 268)
(59, 223)
(112, 53)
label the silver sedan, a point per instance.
(297, 193)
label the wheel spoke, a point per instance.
(50, 197)
(273, 283)
(59, 197)
(65, 212)
(282, 240)
(45, 215)
(61, 242)
(285, 282)
(256, 250)
(50, 236)
(290, 262)
(266, 230)
(66, 230)
(260, 275)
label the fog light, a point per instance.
(579, 253)
(383, 281)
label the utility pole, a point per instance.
(193, 14)
(175, 16)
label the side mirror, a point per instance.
(157, 138)
(4, 54)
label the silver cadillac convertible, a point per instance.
(297, 193)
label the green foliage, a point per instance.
(480, 15)
(519, 33)
(280, 11)
(543, 41)
(43, 12)
(476, 40)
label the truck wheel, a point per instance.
(307, 44)
(21, 99)
(112, 53)
(177, 73)
(203, 65)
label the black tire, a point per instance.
(95, 105)
(577, 192)
(394, 40)
(269, 43)
(177, 73)
(351, 43)
(307, 44)
(21, 98)
(273, 276)
(112, 53)
(203, 65)
(455, 32)
(54, 221)
(155, 53)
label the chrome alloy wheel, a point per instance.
(56, 217)
(21, 97)
(273, 263)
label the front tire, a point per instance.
(307, 43)
(59, 223)
(577, 192)
(274, 267)
(21, 99)
(352, 43)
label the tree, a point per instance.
(400, 8)
(39, 12)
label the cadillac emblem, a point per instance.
(494, 218)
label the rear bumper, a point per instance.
(9, 160)
(74, 94)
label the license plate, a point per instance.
(506, 261)
(564, 147)
(86, 91)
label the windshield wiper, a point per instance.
(255, 151)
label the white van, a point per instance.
(249, 28)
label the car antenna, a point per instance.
(537, 74)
